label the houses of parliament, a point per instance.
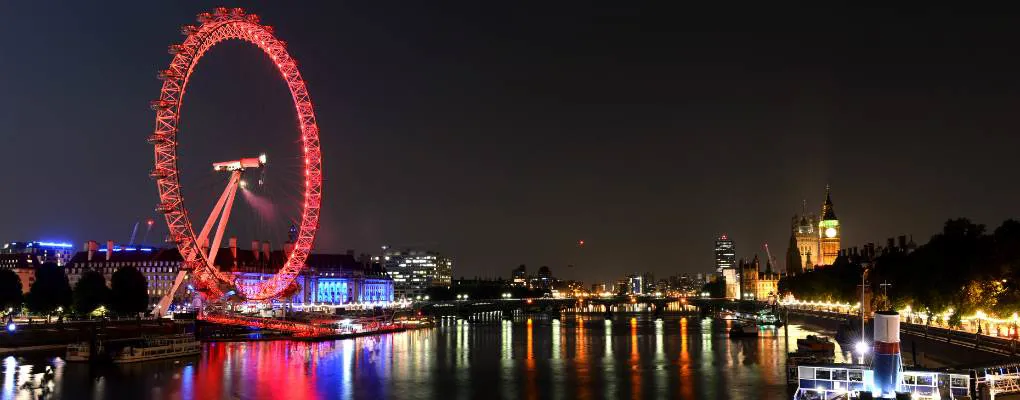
(814, 241)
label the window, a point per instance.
(856, 375)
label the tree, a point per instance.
(10, 290)
(50, 290)
(129, 291)
(90, 292)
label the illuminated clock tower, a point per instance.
(828, 232)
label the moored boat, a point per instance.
(815, 344)
(145, 349)
(742, 330)
(159, 347)
(82, 352)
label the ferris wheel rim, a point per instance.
(220, 25)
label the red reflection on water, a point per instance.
(531, 386)
(284, 372)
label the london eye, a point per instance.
(197, 249)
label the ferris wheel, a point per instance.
(197, 251)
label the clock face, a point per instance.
(830, 232)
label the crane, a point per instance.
(772, 260)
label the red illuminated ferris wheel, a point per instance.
(220, 25)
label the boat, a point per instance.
(766, 318)
(815, 344)
(797, 359)
(81, 352)
(159, 347)
(742, 330)
(145, 349)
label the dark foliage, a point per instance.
(90, 293)
(129, 291)
(49, 291)
(962, 268)
(10, 290)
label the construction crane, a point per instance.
(772, 260)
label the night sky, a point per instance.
(502, 134)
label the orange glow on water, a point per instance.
(686, 378)
(635, 361)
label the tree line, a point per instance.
(51, 293)
(959, 271)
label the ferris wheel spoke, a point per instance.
(221, 225)
(203, 236)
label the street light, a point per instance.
(861, 348)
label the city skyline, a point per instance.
(646, 139)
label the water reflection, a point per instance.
(576, 357)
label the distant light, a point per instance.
(54, 244)
(11, 327)
(262, 158)
(861, 348)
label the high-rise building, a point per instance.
(415, 271)
(828, 232)
(725, 253)
(636, 284)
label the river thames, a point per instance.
(540, 358)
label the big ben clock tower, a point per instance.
(828, 232)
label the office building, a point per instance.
(42, 252)
(415, 271)
(725, 253)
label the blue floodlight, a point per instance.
(54, 244)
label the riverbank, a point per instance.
(930, 352)
(55, 336)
